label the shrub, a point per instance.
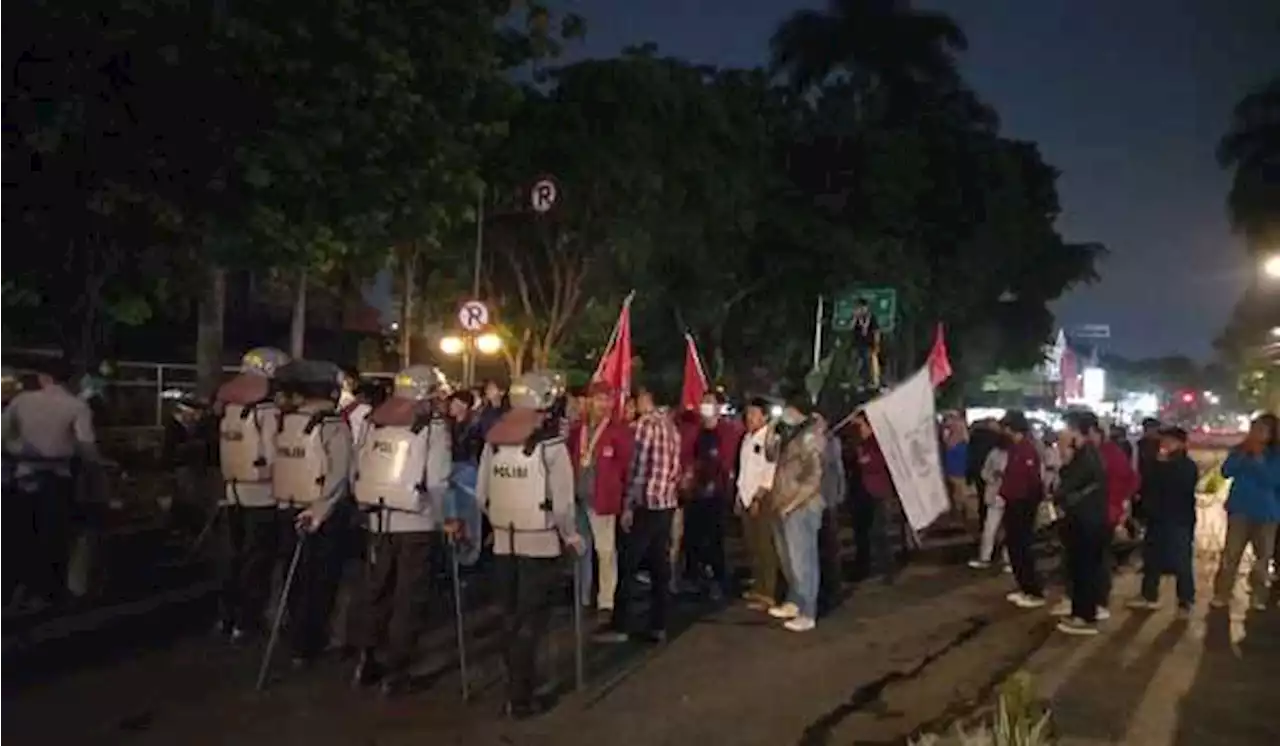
(1019, 720)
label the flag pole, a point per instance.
(613, 336)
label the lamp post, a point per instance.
(468, 346)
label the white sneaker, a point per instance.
(1025, 601)
(800, 624)
(1073, 626)
(1062, 608)
(1014, 597)
(785, 611)
(1103, 614)
(1142, 604)
(978, 564)
(1258, 606)
(1008, 569)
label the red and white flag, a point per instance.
(615, 365)
(695, 378)
(939, 362)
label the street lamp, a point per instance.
(466, 346)
(453, 346)
(1275, 332)
(489, 344)
(1271, 266)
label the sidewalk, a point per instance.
(1151, 680)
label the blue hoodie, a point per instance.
(1255, 485)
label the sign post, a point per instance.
(473, 315)
(883, 303)
(542, 197)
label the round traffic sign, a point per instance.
(473, 315)
(543, 195)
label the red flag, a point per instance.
(939, 362)
(695, 380)
(615, 365)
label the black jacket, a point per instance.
(1170, 496)
(1082, 487)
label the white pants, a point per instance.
(604, 539)
(991, 527)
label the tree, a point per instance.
(1251, 148)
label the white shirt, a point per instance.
(755, 470)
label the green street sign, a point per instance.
(883, 303)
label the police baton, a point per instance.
(280, 610)
(457, 609)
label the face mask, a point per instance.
(707, 410)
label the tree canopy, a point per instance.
(332, 140)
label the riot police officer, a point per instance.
(310, 482)
(525, 486)
(249, 419)
(401, 477)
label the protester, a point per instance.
(710, 449)
(460, 500)
(992, 476)
(1122, 483)
(602, 449)
(646, 522)
(955, 461)
(46, 431)
(757, 458)
(1253, 510)
(1170, 505)
(796, 498)
(866, 345)
(1082, 494)
(491, 408)
(983, 436)
(1146, 456)
(883, 498)
(834, 489)
(1021, 490)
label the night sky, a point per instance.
(1126, 97)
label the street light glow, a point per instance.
(1271, 266)
(489, 343)
(452, 346)
(1275, 332)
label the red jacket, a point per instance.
(1122, 480)
(874, 470)
(728, 440)
(612, 457)
(1022, 474)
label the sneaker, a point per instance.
(1102, 614)
(1076, 626)
(1026, 601)
(1219, 603)
(1014, 597)
(1062, 608)
(611, 636)
(1258, 606)
(1142, 604)
(1184, 613)
(1008, 569)
(785, 611)
(978, 564)
(643, 578)
(800, 624)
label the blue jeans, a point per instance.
(587, 559)
(796, 536)
(1168, 548)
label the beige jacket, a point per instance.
(797, 480)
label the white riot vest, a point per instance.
(301, 466)
(243, 451)
(517, 497)
(391, 467)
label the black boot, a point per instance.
(368, 672)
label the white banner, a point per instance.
(905, 423)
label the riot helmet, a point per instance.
(310, 379)
(263, 361)
(419, 383)
(538, 390)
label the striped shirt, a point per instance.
(655, 468)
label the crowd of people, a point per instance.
(638, 498)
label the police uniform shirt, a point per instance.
(48, 423)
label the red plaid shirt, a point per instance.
(655, 470)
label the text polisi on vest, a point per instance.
(511, 472)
